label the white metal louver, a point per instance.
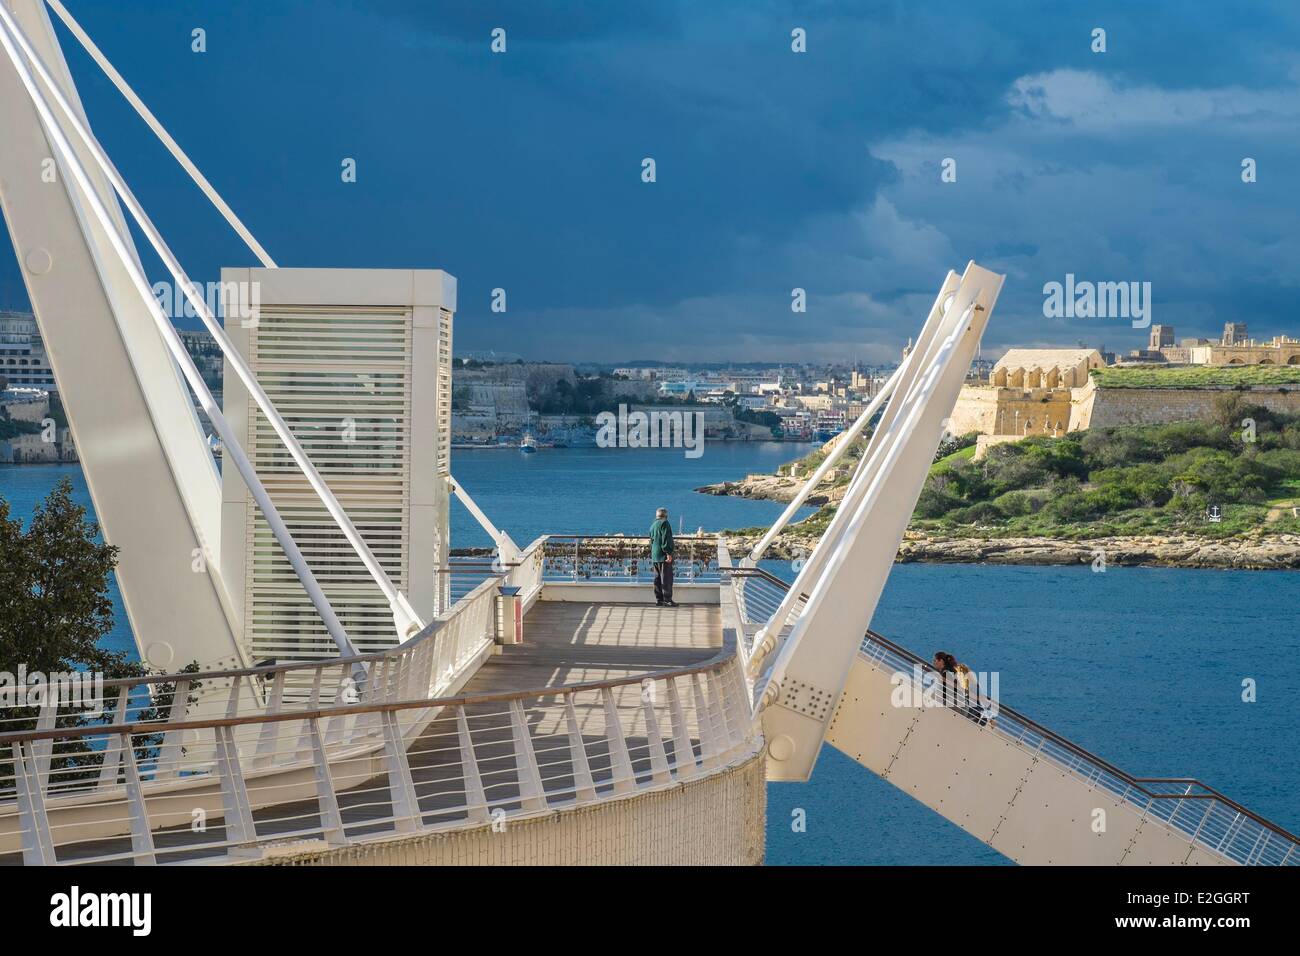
(358, 362)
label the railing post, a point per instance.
(475, 797)
(704, 716)
(620, 763)
(724, 724)
(426, 663)
(683, 752)
(532, 795)
(1261, 845)
(142, 848)
(38, 846)
(313, 703)
(240, 829)
(401, 788)
(1228, 834)
(232, 702)
(445, 653)
(112, 747)
(169, 754)
(583, 788)
(331, 819)
(268, 741)
(658, 756)
(338, 726)
(741, 699)
(43, 750)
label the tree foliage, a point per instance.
(1126, 479)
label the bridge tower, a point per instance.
(359, 363)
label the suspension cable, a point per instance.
(161, 132)
(9, 33)
(400, 606)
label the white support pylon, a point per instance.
(801, 687)
(406, 621)
(11, 38)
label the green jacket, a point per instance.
(661, 539)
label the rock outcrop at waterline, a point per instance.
(1269, 552)
(771, 488)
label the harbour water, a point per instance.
(1143, 666)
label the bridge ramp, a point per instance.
(1011, 789)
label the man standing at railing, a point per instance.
(661, 556)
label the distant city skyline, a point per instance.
(775, 170)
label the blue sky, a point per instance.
(774, 169)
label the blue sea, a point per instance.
(1143, 666)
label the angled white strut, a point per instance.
(803, 661)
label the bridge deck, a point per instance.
(565, 643)
(570, 643)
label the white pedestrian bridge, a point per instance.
(617, 731)
(611, 731)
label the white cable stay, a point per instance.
(915, 369)
(508, 549)
(407, 621)
(11, 33)
(161, 132)
(876, 478)
(846, 438)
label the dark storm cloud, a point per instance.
(775, 170)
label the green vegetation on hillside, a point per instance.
(1133, 480)
(1123, 481)
(1242, 376)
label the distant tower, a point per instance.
(358, 361)
(1162, 337)
(1234, 333)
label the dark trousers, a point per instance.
(663, 581)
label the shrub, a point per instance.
(934, 503)
(983, 511)
(1014, 504)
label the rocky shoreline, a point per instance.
(1265, 552)
(781, 488)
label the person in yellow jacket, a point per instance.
(969, 688)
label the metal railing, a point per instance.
(466, 572)
(263, 773)
(626, 559)
(1198, 812)
(446, 763)
(426, 666)
(325, 680)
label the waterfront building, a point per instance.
(1280, 350)
(23, 360)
